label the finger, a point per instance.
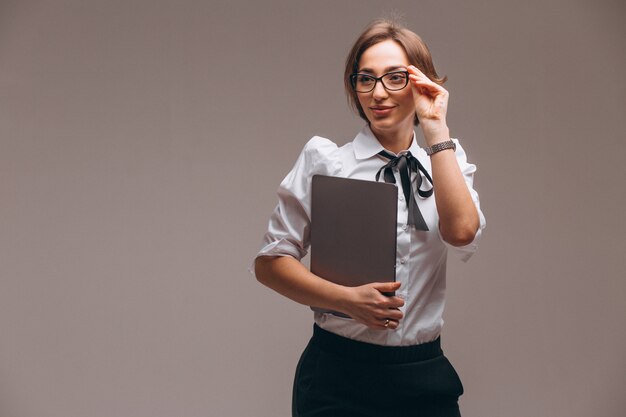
(422, 91)
(376, 323)
(393, 314)
(424, 86)
(422, 79)
(390, 313)
(387, 286)
(390, 304)
(419, 76)
(395, 302)
(412, 69)
(380, 324)
(386, 324)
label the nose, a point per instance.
(380, 92)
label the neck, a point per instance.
(395, 141)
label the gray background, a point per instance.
(141, 146)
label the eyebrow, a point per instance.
(395, 67)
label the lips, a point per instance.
(381, 110)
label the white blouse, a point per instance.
(420, 255)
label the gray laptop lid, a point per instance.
(353, 230)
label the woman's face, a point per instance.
(387, 111)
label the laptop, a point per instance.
(353, 231)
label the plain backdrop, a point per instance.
(141, 146)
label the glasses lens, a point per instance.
(363, 83)
(395, 80)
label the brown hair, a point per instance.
(381, 30)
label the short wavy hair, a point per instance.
(381, 30)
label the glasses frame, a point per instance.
(377, 79)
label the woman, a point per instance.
(386, 360)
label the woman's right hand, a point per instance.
(368, 305)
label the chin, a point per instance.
(383, 124)
(393, 123)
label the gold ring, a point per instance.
(387, 323)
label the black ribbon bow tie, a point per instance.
(407, 163)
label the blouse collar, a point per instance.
(366, 145)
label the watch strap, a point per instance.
(438, 147)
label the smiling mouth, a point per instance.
(381, 111)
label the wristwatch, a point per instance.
(438, 147)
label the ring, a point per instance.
(387, 323)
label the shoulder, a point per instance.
(321, 156)
(319, 147)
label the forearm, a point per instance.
(289, 277)
(458, 217)
(366, 304)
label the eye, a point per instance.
(364, 79)
(396, 78)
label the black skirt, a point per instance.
(340, 377)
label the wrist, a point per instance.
(440, 146)
(342, 298)
(435, 134)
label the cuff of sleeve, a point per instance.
(465, 252)
(281, 247)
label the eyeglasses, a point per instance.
(392, 81)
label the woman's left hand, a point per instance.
(431, 99)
